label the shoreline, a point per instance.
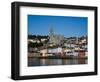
(57, 57)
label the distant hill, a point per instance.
(36, 36)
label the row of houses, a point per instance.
(59, 52)
(62, 52)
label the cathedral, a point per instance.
(55, 39)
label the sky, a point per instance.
(63, 25)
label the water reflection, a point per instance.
(46, 62)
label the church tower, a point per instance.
(51, 35)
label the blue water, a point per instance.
(49, 62)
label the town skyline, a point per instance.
(62, 25)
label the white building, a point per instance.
(55, 50)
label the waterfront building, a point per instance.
(43, 52)
(55, 50)
(81, 53)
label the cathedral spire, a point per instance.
(51, 35)
(51, 31)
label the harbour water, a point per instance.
(50, 62)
